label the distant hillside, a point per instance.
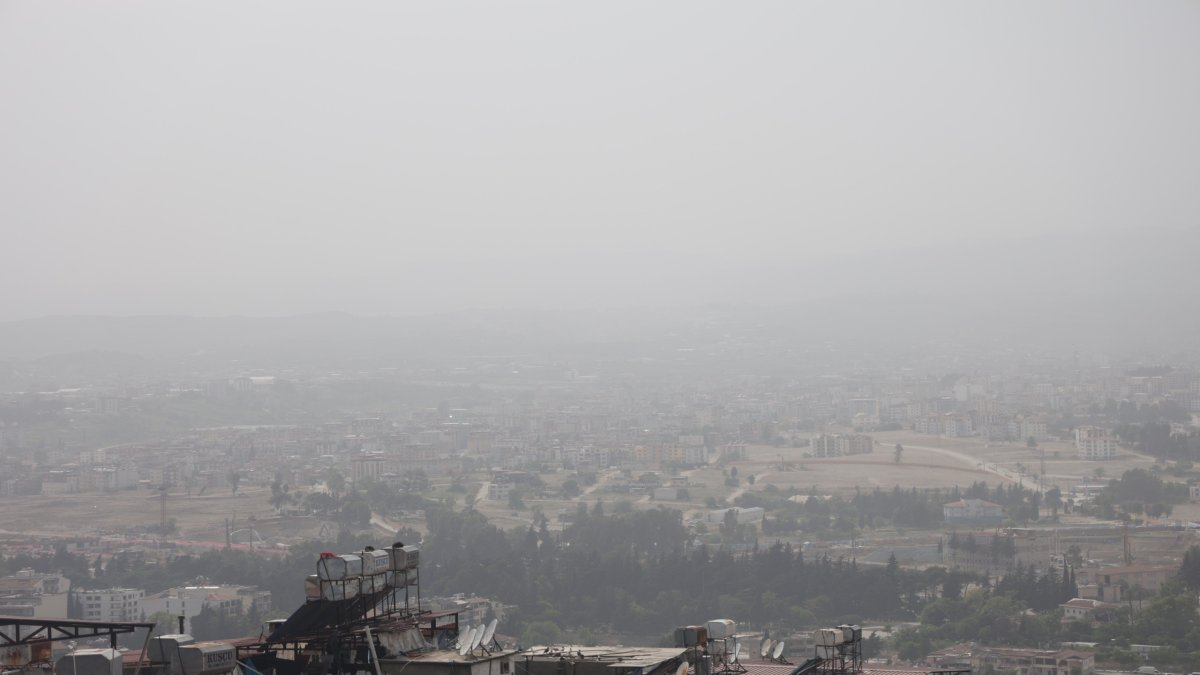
(1132, 291)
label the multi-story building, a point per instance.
(836, 445)
(1095, 443)
(189, 601)
(367, 467)
(975, 511)
(958, 425)
(28, 593)
(1032, 661)
(109, 604)
(1110, 583)
(1024, 428)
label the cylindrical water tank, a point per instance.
(375, 583)
(339, 567)
(719, 629)
(412, 556)
(398, 558)
(829, 637)
(375, 562)
(340, 590)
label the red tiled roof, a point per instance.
(757, 667)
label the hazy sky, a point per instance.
(284, 157)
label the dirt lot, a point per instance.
(198, 517)
(928, 461)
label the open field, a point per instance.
(199, 517)
(927, 461)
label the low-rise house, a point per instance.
(28, 593)
(1111, 583)
(975, 511)
(1032, 661)
(1087, 609)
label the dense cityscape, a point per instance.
(1012, 506)
(599, 338)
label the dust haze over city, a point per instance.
(709, 338)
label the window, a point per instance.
(504, 666)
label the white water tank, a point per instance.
(375, 583)
(343, 589)
(719, 629)
(163, 648)
(205, 658)
(398, 558)
(339, 567)
(412, 557)
(89, 662)
(375, 562)
(829, 637)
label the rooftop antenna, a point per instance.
(778, 651)
(489, 633)
(477, 637)
(682, 669)
(765, 648)
(464, 642)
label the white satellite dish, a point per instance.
(778, 650)
(464, 642)
(477, 637)
(682, 669)
(490, 632)
(765, 648)
(737, 652)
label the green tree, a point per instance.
(570, 488)
(1054, 500)
(514, 500)
(540, 633)
(335, 482)
(279, 494)
(1189, 570)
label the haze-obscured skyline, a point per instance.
(390, 159)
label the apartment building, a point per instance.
(1094, 443)
(109, 604)
(189, 601)
(28, 593)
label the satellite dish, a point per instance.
(765, 648)
(778, 650)
(737, 651)
(464, 642)
(477, 636)
(490, 632)
(682, 669)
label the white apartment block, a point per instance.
(110, 604)
(1094, 443)
(836, 445)
(189, 601)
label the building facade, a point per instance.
(109, 604)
